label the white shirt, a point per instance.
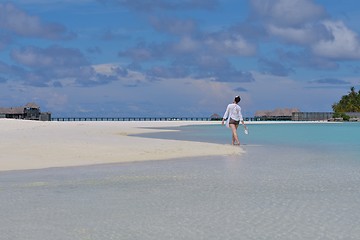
(233, 111)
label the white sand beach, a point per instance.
(36, 145)
(274, 191)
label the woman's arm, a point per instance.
(226, 115)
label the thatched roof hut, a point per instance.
(29, 111)
(32, 105)
(215, 117)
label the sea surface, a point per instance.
(294, 181)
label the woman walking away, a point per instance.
(233, 118)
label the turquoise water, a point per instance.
(303, 134)
(327, 138)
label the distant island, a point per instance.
(347, 109)
(348, 106)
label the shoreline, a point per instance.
(29, 145)
(295, 186)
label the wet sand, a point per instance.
(252, 196)
(37, 145)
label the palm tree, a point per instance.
(348, 103)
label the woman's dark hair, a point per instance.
(237, 99)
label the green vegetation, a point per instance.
(348, 103)
(342, 115)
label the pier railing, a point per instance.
(130, 119)
(66, 119)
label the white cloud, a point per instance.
(288, 12)
(303, 35)
(30, 57)
(47, 2)
(17, 21)
(230, 45)
(306, 24)
(344, 45)
(187, 44)
(128, 79)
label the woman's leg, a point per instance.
(235, 139)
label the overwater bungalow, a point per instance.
(30, 111)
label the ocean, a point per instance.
(294, 181)
(338, 140)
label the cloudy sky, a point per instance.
(177, 57)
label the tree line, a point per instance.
(348, 103)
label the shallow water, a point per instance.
(340, 139)
(273, 191)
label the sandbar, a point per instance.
(29, 144)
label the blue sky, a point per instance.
(177, 58)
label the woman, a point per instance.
(233, 118)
